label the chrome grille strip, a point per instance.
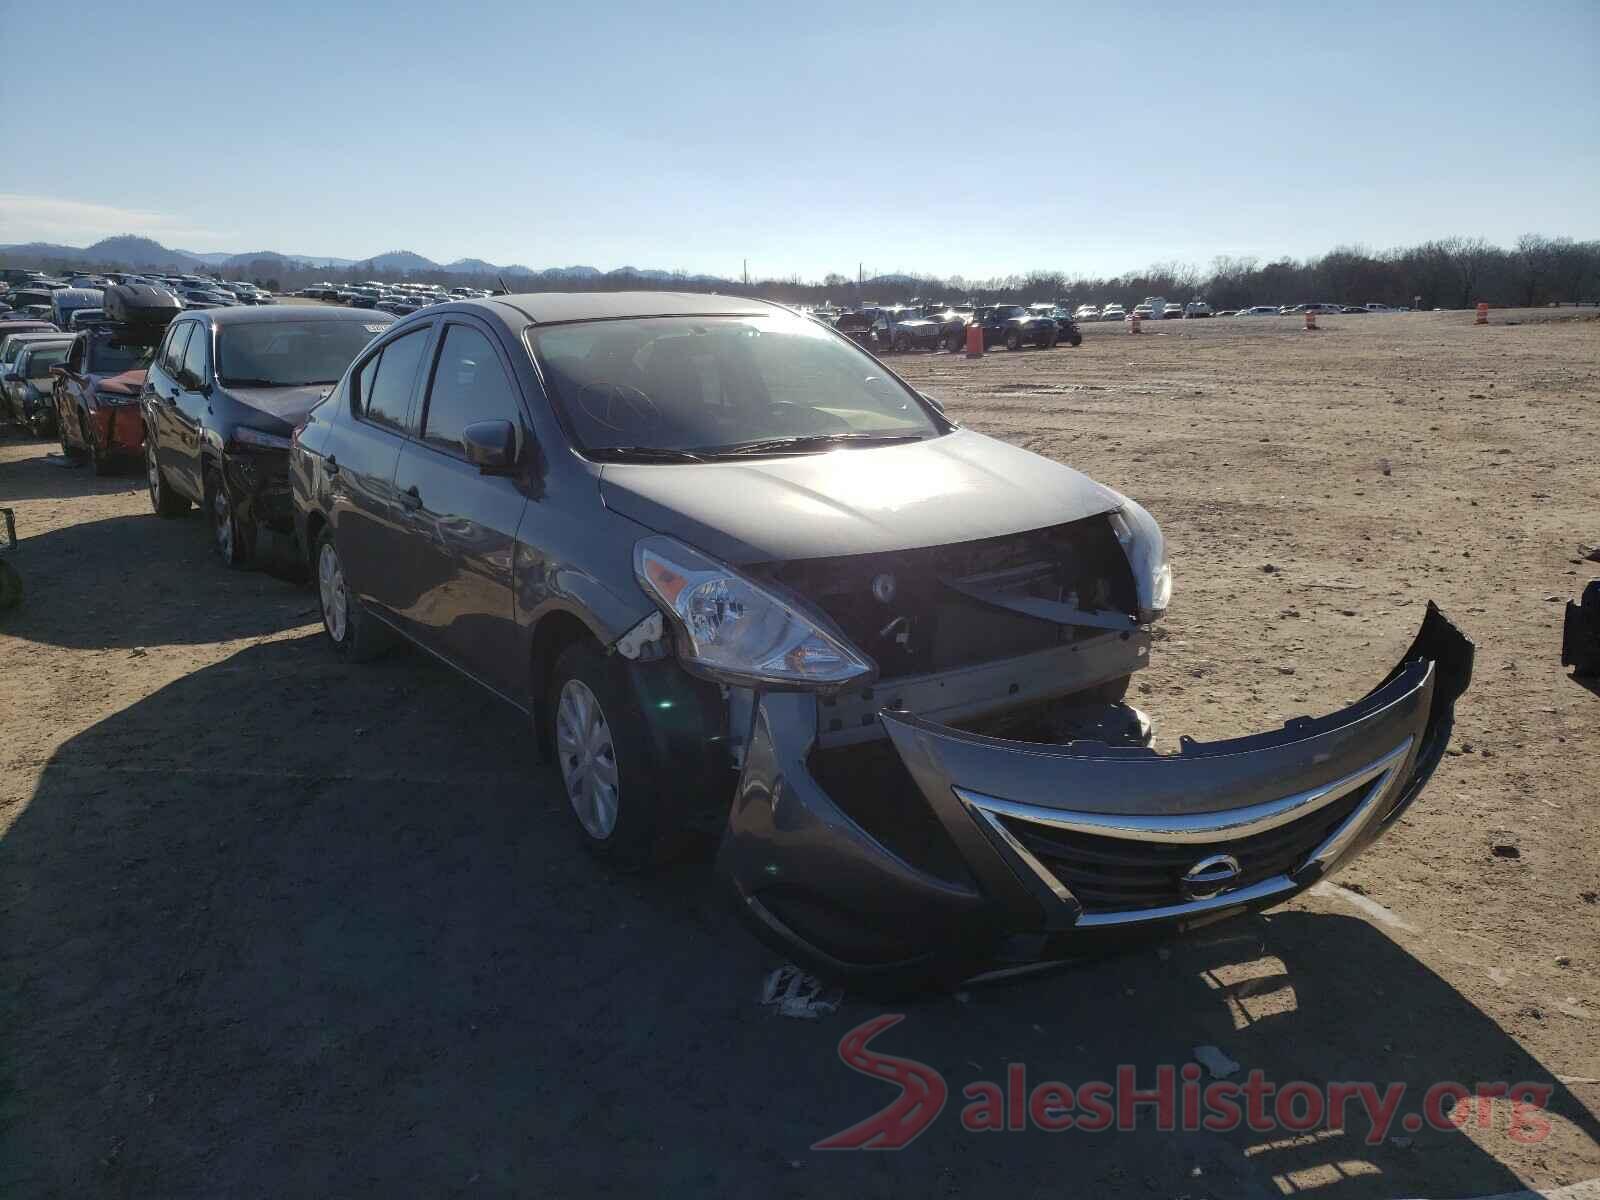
(1195, 828)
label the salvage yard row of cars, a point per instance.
(741, 576)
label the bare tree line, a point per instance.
(1453, 272)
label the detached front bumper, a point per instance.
(119, 428)
(1004, 852)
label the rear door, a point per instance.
(463, 523)
(161, 388)
(188, 412)
(359, 460)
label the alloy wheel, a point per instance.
(153, 473)
(331, 591)
(222, 520)
(588, 759)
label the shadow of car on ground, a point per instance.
(291, 927)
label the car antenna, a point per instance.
(504, 290)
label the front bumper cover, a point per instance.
(1060, 847)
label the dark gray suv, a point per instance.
(742, 576)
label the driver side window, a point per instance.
(75, 355)
(172, 355)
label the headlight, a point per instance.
(732, 629)
(1146, 548)
(245, 436)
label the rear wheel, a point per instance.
(1014, 339)
(354, 634)
(1047, 339)
(232, 537)
(69, 451)
(103, 463)
(902, 343)
(602, 747)
(165, 501)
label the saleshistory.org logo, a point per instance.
(1175, 1099)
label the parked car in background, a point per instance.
(1379, 308)
(1014, 327)
(1087, 312)
(25, 381)
(1067, 330)
(857, 325)
(1144, 311)
(202, 298)
(906, 329)
(902, 707)
(221, 402)
(1228, 312)
(96, 394)
(1259, 310)
(1113, 312)
(82, 318)
(24, 298)
(953, 322)
(1197, 308)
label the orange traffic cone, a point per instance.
(1311, 319)
(1483, 313)
(974, 340)
(1133, 322)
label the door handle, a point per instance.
(411, 498)
(331, 466)
(172, 397)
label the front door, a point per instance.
(463, 522)
(161, 389)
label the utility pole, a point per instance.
(747, 272)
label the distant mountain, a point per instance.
(130, 251)
(399, 260)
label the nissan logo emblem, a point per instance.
(1210, 876)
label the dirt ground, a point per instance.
(274, 926)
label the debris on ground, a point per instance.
(1215, 1061)
(795, 994)
(1505, 850)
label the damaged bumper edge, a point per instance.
(1033, 852)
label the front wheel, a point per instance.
(1014, 340)
(1076, 339)
(232, 537)
(602, 749)
(902, 344)
(68, 451)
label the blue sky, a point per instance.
(806, 137)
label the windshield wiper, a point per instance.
(229, 381)
(642, 454)
(809, 441)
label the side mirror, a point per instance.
(933, 400)
(8, 377)
(491, 446)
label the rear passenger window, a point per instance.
(469, 385)
(194, 358)
(384, 385)
(172, 358)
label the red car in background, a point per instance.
(97, 394)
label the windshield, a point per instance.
(1011, 310)
(114, 355)
(289, 353)
(36, 362)
(703, 384)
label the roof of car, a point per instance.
(286, 312)
(553, 307)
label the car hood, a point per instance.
(289, 404)
(957, 488)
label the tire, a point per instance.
(68, 451)
(166, 502)
(1014, 339)
(902, 344)
(354, 634)
(1047, 340)
(1077, 339)
(232, 537)
(952, 342)
(103, 463)
(602, 752)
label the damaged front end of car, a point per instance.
(980, 799)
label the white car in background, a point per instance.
(1113, 312)
(1086, 312)
(1197, 308)
(1260, 310)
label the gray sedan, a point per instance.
(741, 576)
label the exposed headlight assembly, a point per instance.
(731, 629)
(1146, 548)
